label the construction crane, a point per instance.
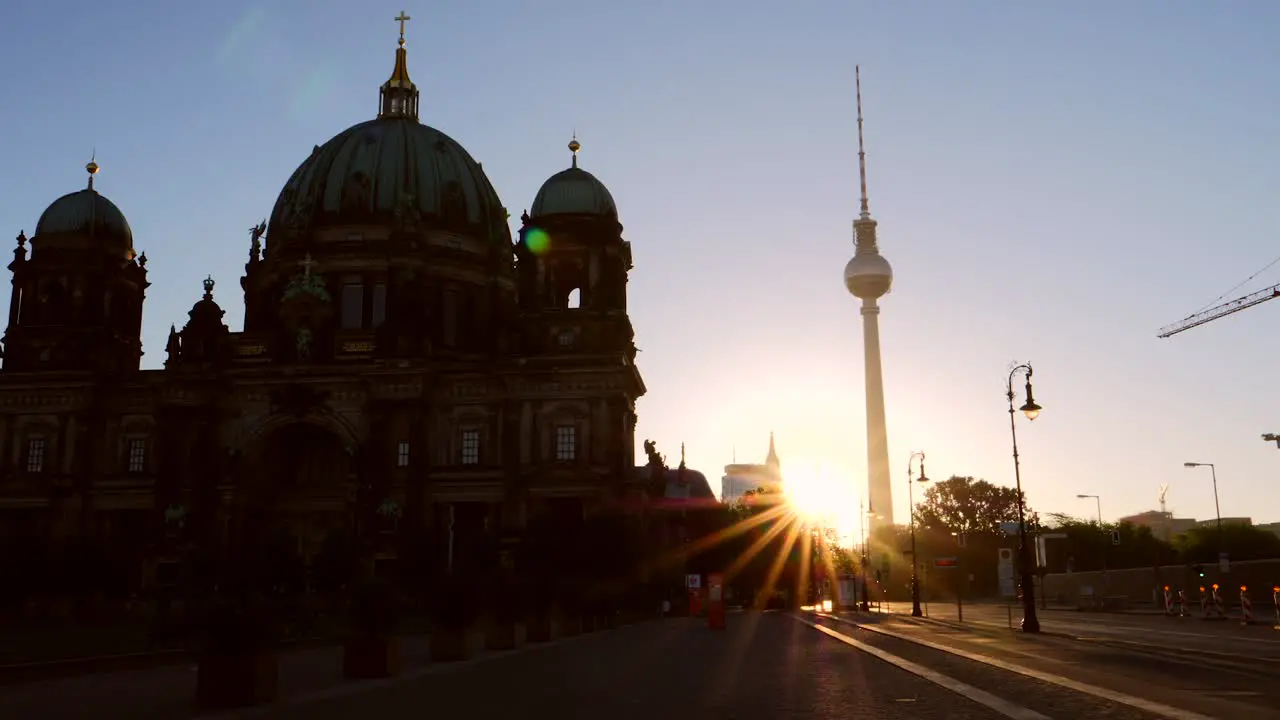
(1219, 311)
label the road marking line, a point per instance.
(982, 697)
(1155, 708)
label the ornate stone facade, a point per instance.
(404, 365)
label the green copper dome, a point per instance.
(394, 171)
(85, 216)
(573, 192)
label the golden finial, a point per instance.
(574, 147)
(92, 167)
(402, 19)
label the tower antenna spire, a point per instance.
(865, 207)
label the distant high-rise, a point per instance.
(868, 277)
(740, 477)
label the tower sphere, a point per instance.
(868, 276)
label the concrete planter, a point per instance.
(500, 635)
(237, 679)
(370, 657)
(449, 644)
(538, 629)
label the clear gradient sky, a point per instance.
(1052, 185)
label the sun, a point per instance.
(817, 495)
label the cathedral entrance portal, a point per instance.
(305, 486)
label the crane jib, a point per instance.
(1219, 311)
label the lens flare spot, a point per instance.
(537, 240)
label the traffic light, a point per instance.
(1115, 537)
(1199, 569)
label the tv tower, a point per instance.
(868, 277)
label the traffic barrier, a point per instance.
(1182, 603)
(1246, 607)
(1275, 599)
(1168, 601)
(1204, 604)
(1213, 609)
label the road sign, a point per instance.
(693, 582)
(1224, 562)
(946, 562)
(1005, 566)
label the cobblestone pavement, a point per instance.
(763, 667)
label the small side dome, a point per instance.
(85, 217)
(573, 192)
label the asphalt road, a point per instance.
(763, 666)
(1133, 656)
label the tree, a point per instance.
(962, 504)
(1200, 544)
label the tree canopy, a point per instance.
(965, 505)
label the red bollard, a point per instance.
(715, 601)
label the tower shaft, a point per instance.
(879, 489)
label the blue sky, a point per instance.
(1053, 184)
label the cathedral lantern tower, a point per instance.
(571, 267)
(76, 303)
(571, 257)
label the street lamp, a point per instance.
(1094, 497)
(1271, 437)
(1216, 508)
(1029, 621)
(915, 561)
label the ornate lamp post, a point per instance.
(1030, 623)
(915, 561)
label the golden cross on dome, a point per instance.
(402, 19)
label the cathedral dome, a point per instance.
(381, 170)
(574, 192)
(86, 215)
(392, 171)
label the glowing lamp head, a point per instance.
(868, 276)
(1030, 408)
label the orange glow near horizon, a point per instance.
(821, 497)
